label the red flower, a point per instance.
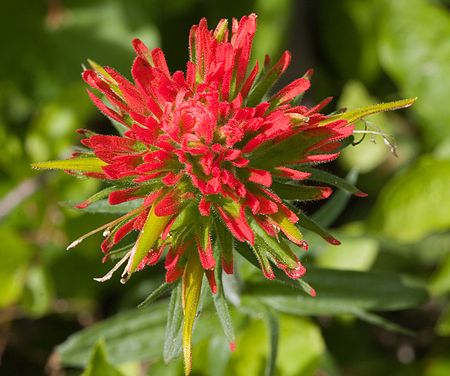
(205, 142)
(212, 156)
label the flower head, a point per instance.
(212, 157)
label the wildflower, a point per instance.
(212, 157)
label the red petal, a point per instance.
(204, 207)
(168, 205)
(295, 88)
(206, 255)
(238, 226)
(123, 195)
(262, 177)
(211, 280)
(293, 174)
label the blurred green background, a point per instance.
(362, 52)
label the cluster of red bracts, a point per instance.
(206, 137)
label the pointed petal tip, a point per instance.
(332, 240)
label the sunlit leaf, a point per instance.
(191, 288)
(296, 336)
(360, 113)
(415, 203)
(85, 164)
(151, 231)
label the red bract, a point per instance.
(213, 158)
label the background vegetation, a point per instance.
(384, 306)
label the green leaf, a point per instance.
(96, 197)
(273, 248)
(280, 276)
(37, 298)
(331, 179)
(80, 164)
(157, 293)
(98, 363)
(356, 252)
(191, 288)
(341, 292)
(299, 349)
(274, 333)
(361, 113)
(443, 325)
(130, 336)
(15, 255)
(308, 223)
(440, 282)
(296, 192)
(222, 309)
(414, 203)
(329, 212)
(151, 231)
(366, 155)
(414, 51)
(438, 366)
(287, 151)
(104, 207)
(377, 320)
(172, 342)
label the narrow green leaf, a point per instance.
(150, 233)
(311, 225)
(81, 164)
(262, 86)
(274, 333)
(296, 192)
(331, 179)
(225, 243)
(172, 342)
(191, 288)
(280, 276)
(128, 330)
(329, 212)
(98, 363)
(354, 115)
(106, 76)
(341, 292)
(104, 207)
(222, 309)
(287, 151)
(377, 320)
(278, 249)
(100, 195)
(157, 293)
